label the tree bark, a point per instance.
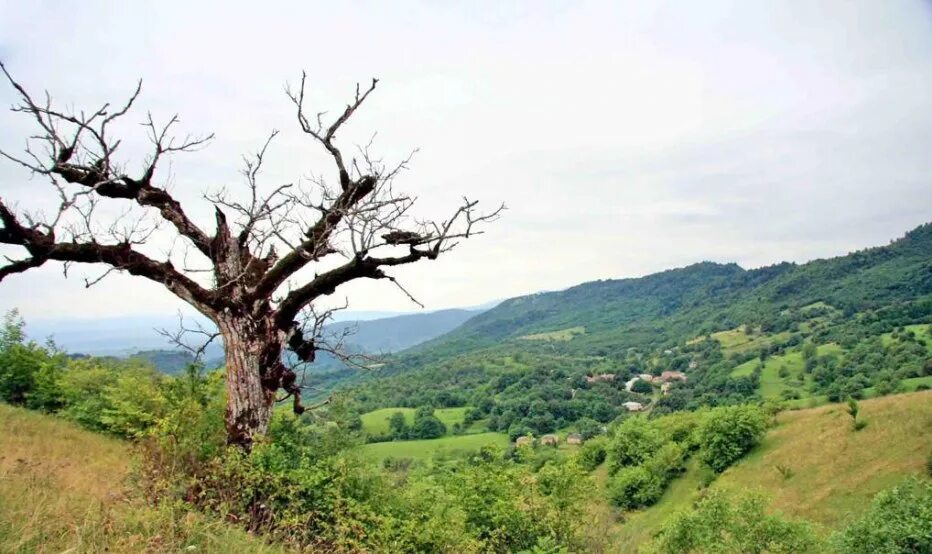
(251, 366)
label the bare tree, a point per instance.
(254, 296)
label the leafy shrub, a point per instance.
(726, 525)
(591, 454)
(667, 462)
(642, 387)
(635, 487)
(899, 520)
(634, 441)
(728, 433)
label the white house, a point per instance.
(633, 406)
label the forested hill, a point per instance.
(692, 301)
(812, 331)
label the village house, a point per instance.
(633, 406)
(526, 440)
(602, 377)
(574, 438)
(668, 376)
(630, 383)
(549, 440)
(693, 364)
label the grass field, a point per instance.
(376, 421)
(835, 470)
(63, 489)
(427, 449)
(562, 335)
(737, 340)
(923, 331)
(771, 384)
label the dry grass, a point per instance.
(63, 489)
(835, 469)
(562, 335)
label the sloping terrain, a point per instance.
(64, 489)
(813, 465)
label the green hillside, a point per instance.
(526, 365)
(833, 471)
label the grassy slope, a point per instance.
(771, 384)
(376, 421)
(835, 470)
(62, 489)
(426, 449)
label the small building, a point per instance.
(549, 440)
(574, 438)
(693, 364)
(665, 388)
(601, 377)
(629, 384)
(526, 440)
(668, 376)
(633, 406)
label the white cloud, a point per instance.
(625, 137)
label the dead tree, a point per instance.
(248, 282)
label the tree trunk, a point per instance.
(249, 401)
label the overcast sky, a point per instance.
(625, 137)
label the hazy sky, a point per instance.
(625, 137)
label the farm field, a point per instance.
(450, 446)
(376, 421)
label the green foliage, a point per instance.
(591, 454)
(633, 443)
(642, 387)
(899, 520)
(635, 487)
(727, 525)
(726, 434)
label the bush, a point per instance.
(591, 454)
(667, 462)
(899, 520)
(635, 487)
(642, 387)
(634, 441)
(729, 433)
(734, 526)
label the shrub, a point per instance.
(634, 441)
(642, 387)
(591, 454)
(635, 487)
(725, 525)
(899, 520)
(667, 462)
(728, 433)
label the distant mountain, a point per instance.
(392, 334)
(139, 336)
